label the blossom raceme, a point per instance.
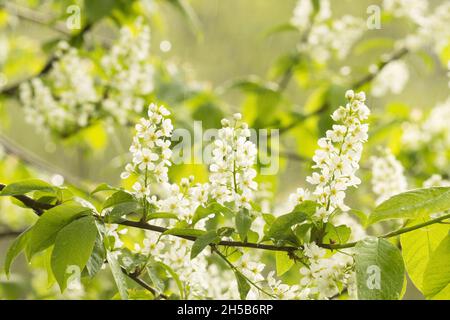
(150, 151)
(337, 159)
(233, 158)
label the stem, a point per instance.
(145, 285)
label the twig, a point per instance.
(145, 285)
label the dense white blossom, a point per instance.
(388, 178)
(150, 151)
(391, 79)
(233, 158)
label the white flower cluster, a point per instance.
(432, 133)
(324, 277)
(327, 37)
(432, 29)
(304, 10)
(412, 9)
(233, 158)
(151, 151)
(338, 158)
(393, 78)
(436, 180)
(129, 72)
(68, 100)
(388, 178)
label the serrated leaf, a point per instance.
(26, 186)
(437, 273)
(44, 232)
(202, 242)
(380, 271)
(412, 204)
(73, 247)
(15, 249)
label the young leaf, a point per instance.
(211, 208)
(412, 204)
(283, 263)
(118, 275)
(44, 232)
(243, 285)
(436, 279)
(15, 249)
(73, 247)
(281, 227)
(162, 215)
(243, 222)
(336, 234)
(417, 248)
(380, 271)
(23, 187)
(202, 242)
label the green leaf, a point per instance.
(121, 210)
(104, 187)
(117, 198)
(184, 232)
(412, 204)
(437, 273)
(73, 247)
(25, 186)
(281, 228)
(162, 215)
(336, 234)
(283, 262)
(380, 271)
(44, 232)
(243, 222)
(174, 276)
(202, 242)
(15, 249)
(243, 285)
(211, 208)
(417, 248)
(154, 278)
(118, 275)
(285, 27)
(97, 257)
(98, 9)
